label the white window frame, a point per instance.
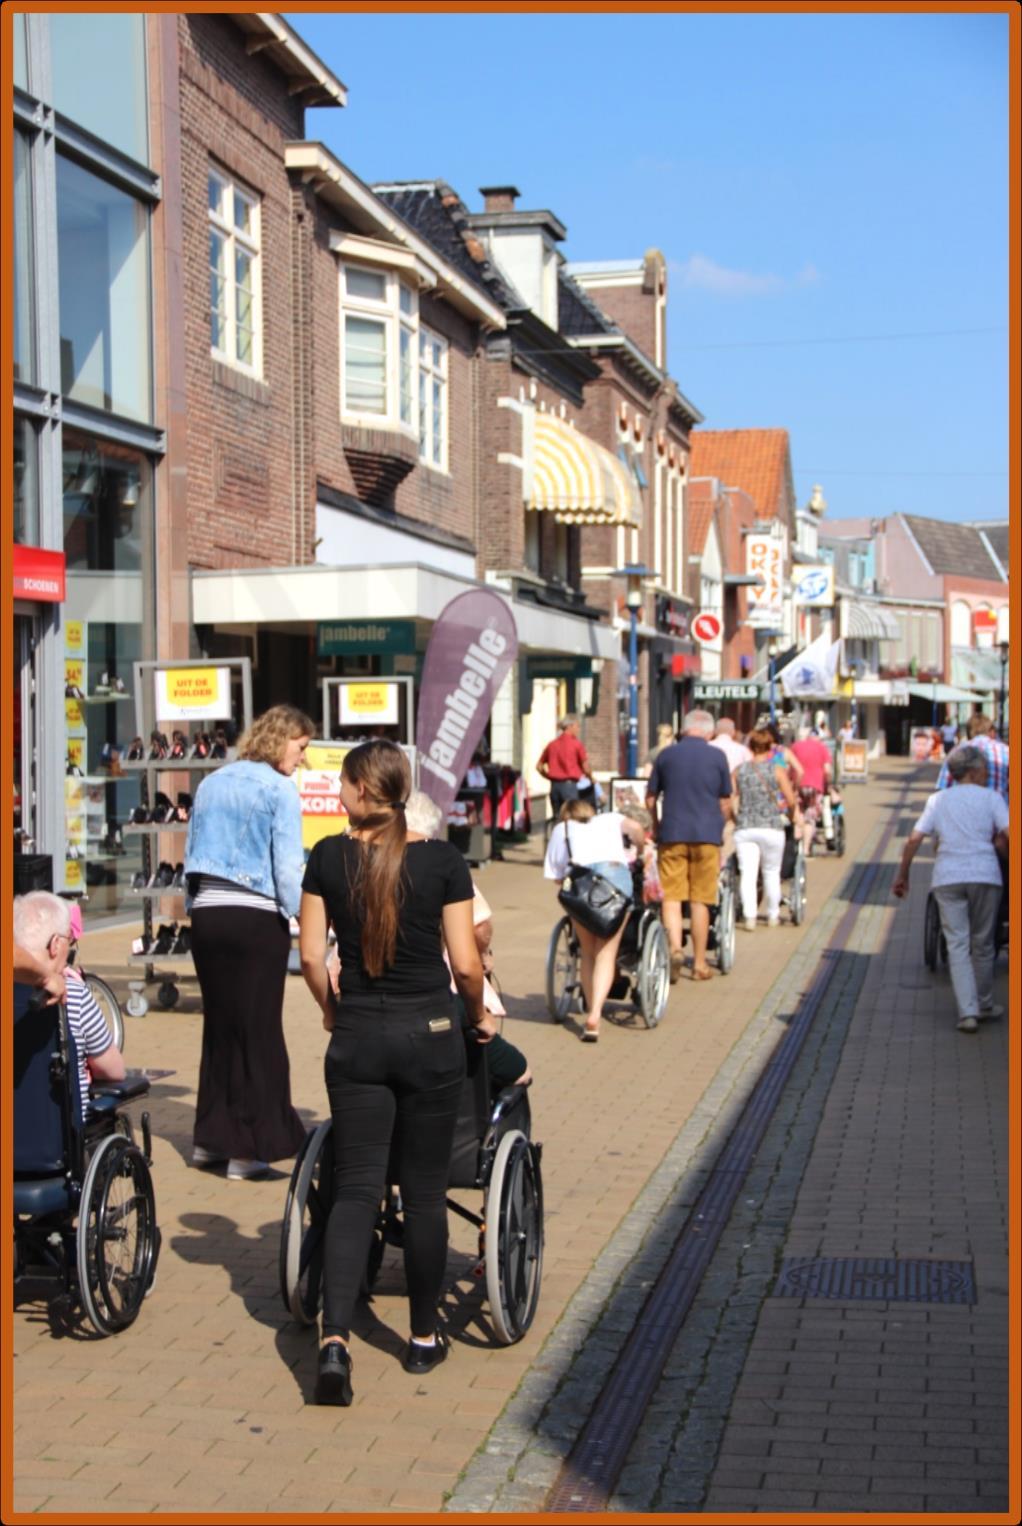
(433, 373)
(235, 239)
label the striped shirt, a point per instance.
(217, 892)
(996, 754)
(88, 1028)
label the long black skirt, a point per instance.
(244, 1106)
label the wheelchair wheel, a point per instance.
(514, 1236)
(797, 899)
(839, 833)
(654, 976)
(110, 1007)
(303, 1232)
(117, 1241)
(931, 933)
(726, 926)
(563, 987)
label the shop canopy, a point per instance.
(943, 694)
(870, 622)
(578, 481)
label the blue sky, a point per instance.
(821, 185)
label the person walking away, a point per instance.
(695, 782)
(724, 737)
(817, 781)
(564, 761)
(983, 735)
(395, 1063)
(970, 824)
(664, 738)
(759, 827)
(949, 734)
(243, 863)
(599, 843)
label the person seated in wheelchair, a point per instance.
(599, 843)
(42, 927)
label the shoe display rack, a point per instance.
(172, 756)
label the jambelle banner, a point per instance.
(470, 652)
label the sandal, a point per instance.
(591, 1035)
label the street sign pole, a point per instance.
(633, 695)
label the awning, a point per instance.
(869, 622)
(943, 694)
(578, 481)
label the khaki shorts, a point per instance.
(689, 871)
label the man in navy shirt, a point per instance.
(695, 783)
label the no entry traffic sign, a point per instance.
(706, 626)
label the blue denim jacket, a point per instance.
(246, 827)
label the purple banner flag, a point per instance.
(470, 652)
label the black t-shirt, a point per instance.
(435, 876)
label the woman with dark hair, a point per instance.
(243, 862)
(396, 1059)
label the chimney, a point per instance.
(499, 198)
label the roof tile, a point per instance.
(753, 459)
(953, 548)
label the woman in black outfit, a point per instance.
(396, 1059)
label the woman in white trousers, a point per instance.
(761, 785)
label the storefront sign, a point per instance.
(559, 667)
(368, 702)
(672, 618)
(984, 626)
(813, 585)
(855, 759)
(39, 575)
(319, 790)
(764, 559)
(706, 627)
(357, 638)
(193, 694)
(723, 689)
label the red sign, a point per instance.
(39, 575)
(984, 620)
(706, 626)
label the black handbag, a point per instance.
(592, 900)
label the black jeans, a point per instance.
(561, 791)
(391, 1079)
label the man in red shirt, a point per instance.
(817, 780)
(564, 762)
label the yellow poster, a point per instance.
(319, 789)
(374, 703)
(73, 874)
(75, 828)
(76, 752)
(193, 694)
(74, 717)
(74, 673)
(74, 638)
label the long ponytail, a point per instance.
(379, 878)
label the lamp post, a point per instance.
(633, 600)
(1002, 647)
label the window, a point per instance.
(26, 483)
(24, 294)
(234, 297)
(394, 370)
(103, 260)
(99, 75)
(20, 52)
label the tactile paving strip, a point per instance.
(860, 1277)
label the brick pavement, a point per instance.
(206, 1394)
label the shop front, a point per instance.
(675, 664)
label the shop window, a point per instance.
(961, 623)
(106, 504)
(26, 483)
(234, 275)
(20, 52)
(99, 76)
(103, 259)
(24, 284)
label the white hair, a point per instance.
(698, 720)
(422, 814)
(39, 916)
(725, 727)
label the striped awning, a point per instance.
(869, 622)
(578, 481)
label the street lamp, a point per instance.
(1002, 647)
(633, 601)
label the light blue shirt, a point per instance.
(246, 827)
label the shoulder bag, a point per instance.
(590, 899)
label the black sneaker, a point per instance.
(139, 881)
(164, 940)
(419, 1358)
(183, 941)
(333, 1380)
(164, 877)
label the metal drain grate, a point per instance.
(860, 1277)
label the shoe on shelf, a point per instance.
(164, 810)
(993, 1012)
(103, 687)
(164, 877)
(178, 882)
(117, 685)
(136, 752)
(184, 806)
(164, 940)
(183, 942)
(419, 1358)
(139, 881)
(139, 816)
(202, 746)
(245, 1170)
(333, 1378)
(968, 1024)
(203, 1157)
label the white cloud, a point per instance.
(703, 274)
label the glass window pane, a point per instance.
(407, 300)
(24, 293)
(217, 191)
(106, 498)
(423, 420)
(218, 290)
(99, 75)
(20, 52)
(244, 213)
(26, 483)
(368, 284)
(103, 261)
(406, 376)
(365, 365)
(437, 354)
(438, 414)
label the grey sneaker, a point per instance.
(968, 1024)
(244, 1170)
(994, 1011)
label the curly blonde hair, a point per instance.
(269, 734)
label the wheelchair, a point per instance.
(643, 972)
(493, 1150)
(934, 942)
(793, 875)
(84, 1206)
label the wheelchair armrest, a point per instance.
(506, 1100)
(134, 1084)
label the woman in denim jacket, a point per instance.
(244, 865)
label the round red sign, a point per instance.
(706, 626)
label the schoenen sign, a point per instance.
(470, 652)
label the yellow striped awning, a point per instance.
(578, 481)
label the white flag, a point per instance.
(812, 672)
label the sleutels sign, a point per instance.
(470, 652)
